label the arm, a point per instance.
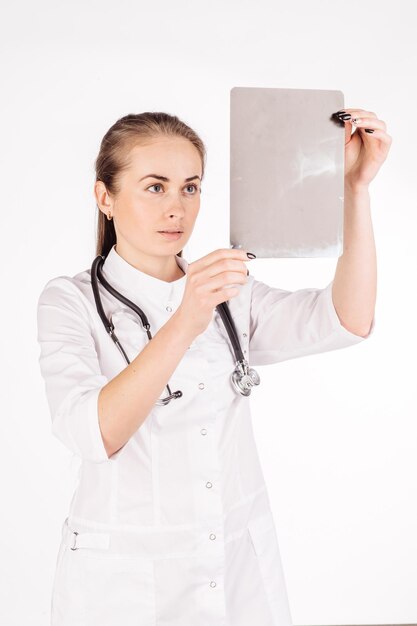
(291, 324)
(354, 284)
(92, 416)
(126, 400)
(287, 325)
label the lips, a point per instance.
(170, 231)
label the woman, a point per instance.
(171, 522)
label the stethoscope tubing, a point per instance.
(243, 377)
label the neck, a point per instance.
(164, 268)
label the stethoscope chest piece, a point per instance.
(244, 378)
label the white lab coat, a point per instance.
(175, 529)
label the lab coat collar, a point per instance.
(129, 280)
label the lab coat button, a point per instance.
(201, 386)
(212, 583)
(212, 536)
(209, 485)
(203, 431)
(244, 334)
(168, 308)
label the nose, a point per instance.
(176, 206)
(176, 211)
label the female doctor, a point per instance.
(170, 523)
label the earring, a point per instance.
(109, 216)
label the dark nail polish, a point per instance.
(369, 130)
(346, 116)
(339, 112)
(247, 273)
(250, 255)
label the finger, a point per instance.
(368, 122)
(217, 255)
(229, 277)
(357, 113)
(379, 134)
(345, 117)
(367, 125)
(348, 132)
(350, 116)
(232, 265)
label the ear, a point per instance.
(103, 199)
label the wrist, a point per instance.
(183, 328)
(354, 189)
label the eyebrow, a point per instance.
(164, 178)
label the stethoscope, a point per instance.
(243, 377)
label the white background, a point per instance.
(336, 432)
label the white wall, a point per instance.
(336, 432)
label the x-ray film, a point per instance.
(286, 172)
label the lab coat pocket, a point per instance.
(264, 540)
(112, 589)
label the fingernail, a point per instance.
(344, 116)
(250, 255)
(369, 130)
(247, 273)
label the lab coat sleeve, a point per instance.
(70, 369)
(290, 324)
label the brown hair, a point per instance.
(113, 157)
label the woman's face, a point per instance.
(146, 204)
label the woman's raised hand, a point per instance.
(211, 280)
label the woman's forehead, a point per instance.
(170, 157)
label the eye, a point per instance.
(190, 185)
(155, 185)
